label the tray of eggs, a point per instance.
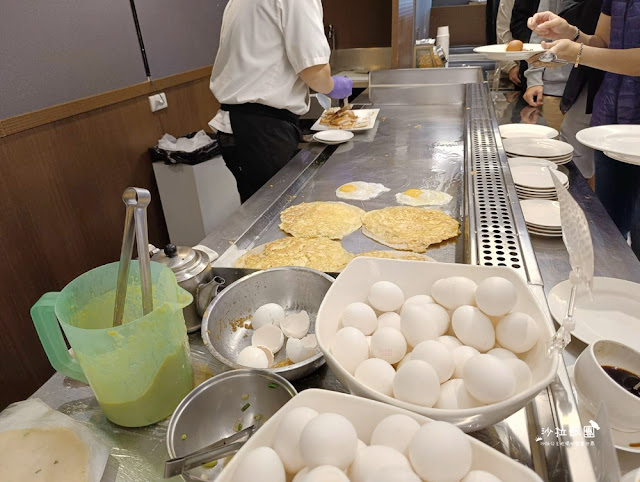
(325, 436)
(460, 343)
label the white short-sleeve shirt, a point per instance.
(264, 45)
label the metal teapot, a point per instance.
(193, 271)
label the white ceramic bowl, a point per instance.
(415, 277)
(594, 386)
(365, 415)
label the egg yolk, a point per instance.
(413, 192)
(348, 188)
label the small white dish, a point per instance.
(332, 137)
(544, 148)
(613, 314)
(499, 52)
(531, 161)
(535, 177)
(621, 440)
(532, 131)
(542, 213)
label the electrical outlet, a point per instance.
(158, 101)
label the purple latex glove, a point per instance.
(342, 87)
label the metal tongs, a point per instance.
(215, 451)
(135, 227)
(551, 58)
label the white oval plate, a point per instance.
(614, 313)
(499, 52)
(534, 177)
(333, 136)
(544, 148)
(542, 213)
(531, 161)
(532, 131)
(616, 139)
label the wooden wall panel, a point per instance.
(359, 23)
(62, 214)
(467, 23)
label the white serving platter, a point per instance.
(369, 114)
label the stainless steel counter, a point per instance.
(412, 146)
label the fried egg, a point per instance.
(423, 197)
(360, 190)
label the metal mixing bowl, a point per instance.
(293, 288)
(213, 410)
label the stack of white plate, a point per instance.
(531, 161)
(531, 131)
(542, 217)
(552, 150)
(535, 182)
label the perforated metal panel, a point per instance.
(494, 227)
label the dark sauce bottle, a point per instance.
(627, 380)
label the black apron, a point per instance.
(264, 139)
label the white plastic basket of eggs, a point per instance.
(324, 436)
(460, 343)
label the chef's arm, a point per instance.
(318, 78)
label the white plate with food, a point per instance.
(333, 136)
(347, 119)
(531, 161)
(500, 53)
(290, 436)
(613, 314)
(531, 131)
(545, 214)
(619, 140)
(550, 149)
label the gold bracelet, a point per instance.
(579, 56)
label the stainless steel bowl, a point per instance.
(213, 410)
(293, 288)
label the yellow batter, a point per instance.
(409, 228)
(319, 253)
(333, 220)
(396, 255)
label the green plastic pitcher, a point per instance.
(140, 370)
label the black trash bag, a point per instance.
(179, 157)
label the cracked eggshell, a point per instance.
(253, 357)
(269, 314)
(454, 292)
(360, 316)
(473, 328)
(385, 296)
(350, 347)
(299, 350)
(388, 344)
(270, 336)
(267, 352)
(296, 325)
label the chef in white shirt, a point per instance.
(271, 52)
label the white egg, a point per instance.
(395, 473)
(350, 348)
(454, 396)
(489, 379)
(328, 439)
(369, 344)
(390, 319)
(417, 382)
(261, 464)
(300, 350)
(496, 296)
(326, 473)
(269, 314)
(360, 316)
(454, 292)
(267, 352)
(417, 300)
(451, 342)
(270, 336)
(388, 344)
(517, 332)
(301, 475)
(360, 190)
(361, 445)
(424, 322)
(369, 461)
(437, 355)
(296, 325)
(423, 197)
(385, 296)
(253, 357)
(377, 374)
(460, 357)
(480, 476)
(440, 451)
(473, 328)
(395, 431)
(287, 440)
(521, 372)
(501, 353)
(406, 358)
